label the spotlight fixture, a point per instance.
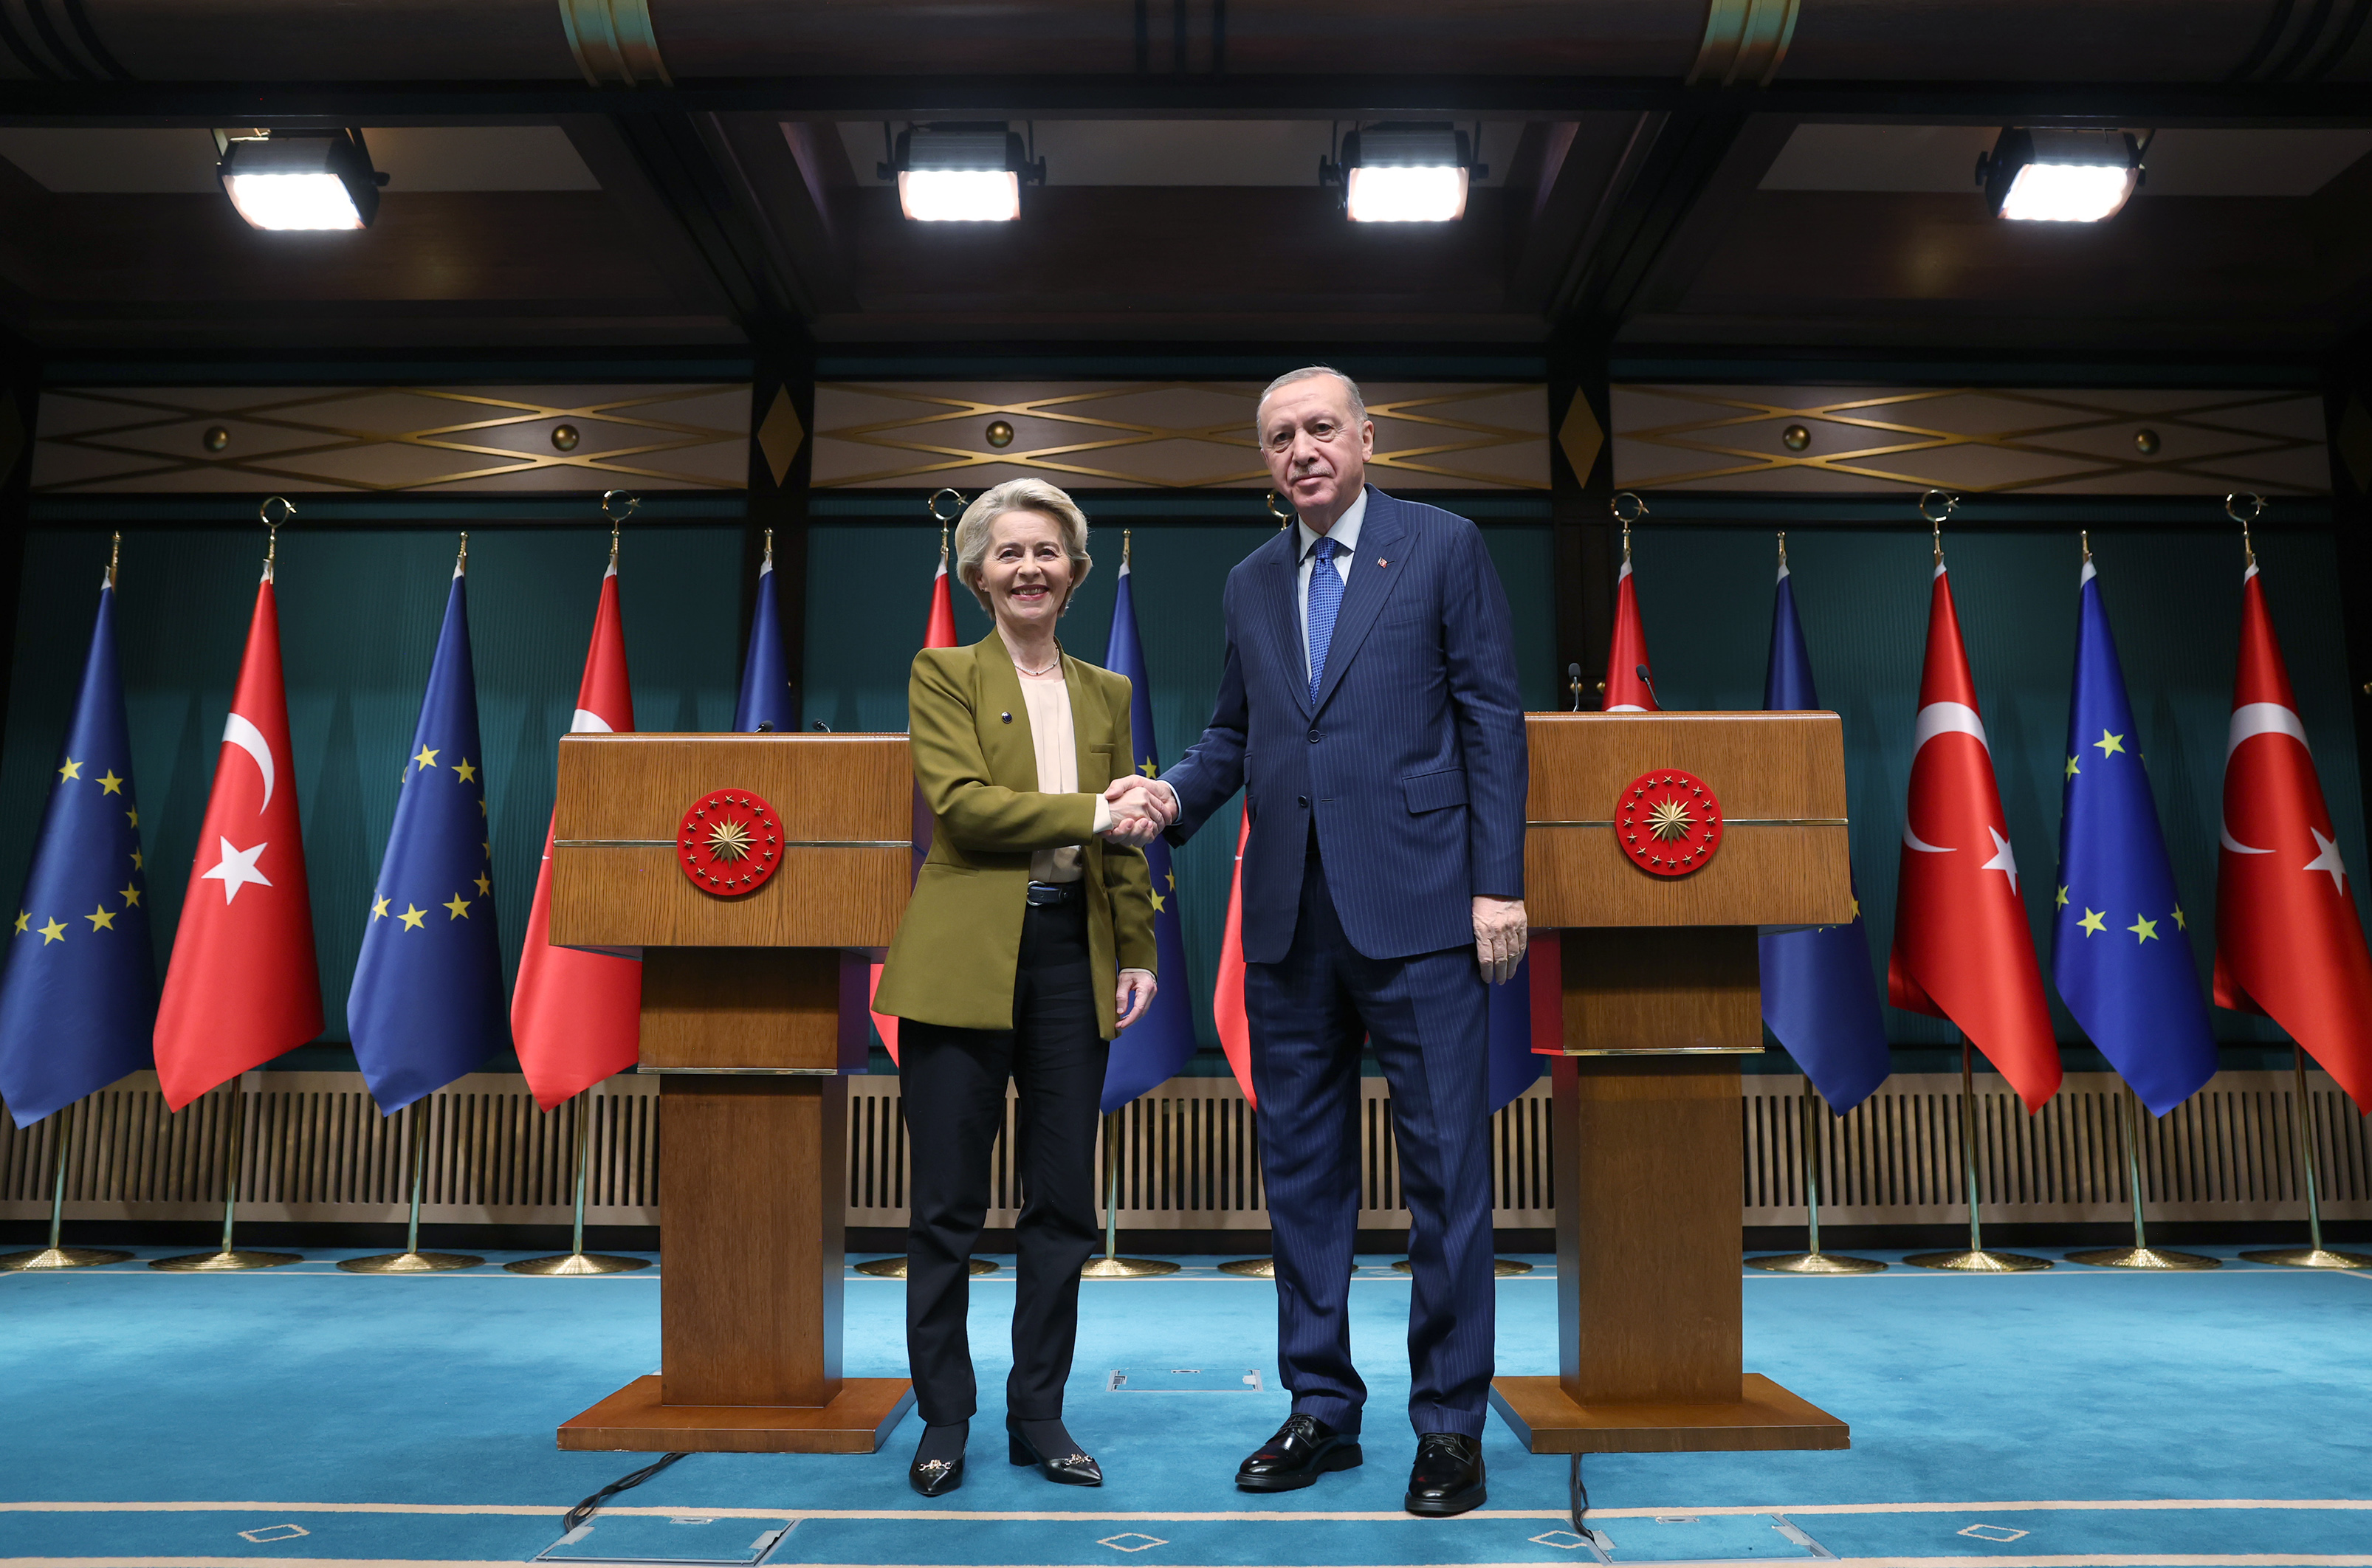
(1405, 172)
(961, 172)
(2060, 176)
(299, 180)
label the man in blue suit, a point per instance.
(1368, 711)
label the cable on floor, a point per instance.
(584, 1510)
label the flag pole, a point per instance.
(234, 1166)
(56, 1256)
(1975, 1260)
(1813, 1261)
(2141, 1254)
(1111, 1265)
(411, 1259)
(577, 1261)
(2314, 1255)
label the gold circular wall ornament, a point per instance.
(1000, 434)
(216, 437)
(2146, 443)
(564, 437)
(1795, 438)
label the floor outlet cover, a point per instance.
(688, 1539)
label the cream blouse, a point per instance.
(1048, 699)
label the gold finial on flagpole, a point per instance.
(1638, 509)
(1782, 550)
(943, 518)
(272, 539)
(2245, 508)
(2085, 536)
(769, 550)
(1935, 519)
(462, 562)
(629, 504)
(1124, 534)
(115, 553)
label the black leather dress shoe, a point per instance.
(1303, 1449)
(1070, 1469)
(935, 1478)
(1448, 1475)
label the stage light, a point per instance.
(2060, 176)
(961, 173)
(1404, 173)
(299, 180)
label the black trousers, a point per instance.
(952, 1087)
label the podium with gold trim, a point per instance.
(754, 1011)
(1662, 995)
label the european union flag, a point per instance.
(1819, 995)
(1151, 1051)
(427, 1004)
(78, 997)
(2119, 952)
(767, 700)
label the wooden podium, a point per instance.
(753, 1008)
(1661, 996)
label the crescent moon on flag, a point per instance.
(1947, 718)
(1913, 841)
(2263, 719)
(239, 731)
(2224, 831)
(590, 723)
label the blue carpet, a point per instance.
(2118, 1420)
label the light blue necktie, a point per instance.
(1325, 599)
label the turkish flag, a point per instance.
(1228, 993)
(576, 1016)
(2289, 944)
(1963, 950)
(242, 986)
(1627, 691)
(939, 632)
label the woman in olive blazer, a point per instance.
(1027, 947)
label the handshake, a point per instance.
(1141, 809)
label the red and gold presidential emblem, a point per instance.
(1667, 822)
(731, 843)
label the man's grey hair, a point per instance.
(1351, 388)
(1019, 495)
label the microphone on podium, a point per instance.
(1647, 680)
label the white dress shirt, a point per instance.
(1345, 534)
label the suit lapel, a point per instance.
(1367, 589)
(1282, 615)
(1008, 749)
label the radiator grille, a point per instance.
(316, 1148)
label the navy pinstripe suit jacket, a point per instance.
(1412, 759)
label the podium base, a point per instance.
(632, 1419)
(1765, 1418)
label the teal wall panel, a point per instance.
(2174, 602)
(869, 595)
(359, 611)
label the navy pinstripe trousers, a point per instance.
(1427, 1017)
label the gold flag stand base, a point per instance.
(2308, 1257)
(2142, 1257)
(1816, 1263)
(1502, 1268)
(48, 1258)
(895, 1267)
(410, 1263)
(1251, 1268)
(1109, 1266)
(572, 1265)
(1971, 1261)
(229, 1261)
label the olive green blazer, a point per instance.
(956, 951)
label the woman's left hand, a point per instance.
(1135, 995)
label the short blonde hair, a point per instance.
(1019, 495)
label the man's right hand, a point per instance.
(1141, 810)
